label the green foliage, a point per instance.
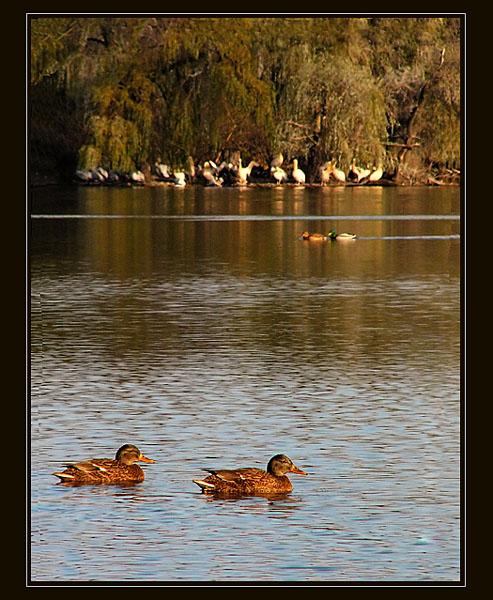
(89, 157)
(417, 64)
(142, 90)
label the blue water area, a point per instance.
(209, 335)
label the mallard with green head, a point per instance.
(341, 236)
(251, 480)
(121, 469)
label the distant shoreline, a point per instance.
(39, 181)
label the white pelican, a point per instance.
(337, 174)
(162, 170)
(84, 174)
(103, 173)
(298, 174)
(357, 174)
(354, 172)
(179, 178)
(97, 175)
(244, 172)
(208, 172)
(137, 176)
(278, 174)
(376, 174)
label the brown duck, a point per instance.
(315, 237)
(251, 480)
(121, 469)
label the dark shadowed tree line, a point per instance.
(127, 93)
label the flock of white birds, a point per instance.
(231, 173)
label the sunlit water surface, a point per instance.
(195, 324)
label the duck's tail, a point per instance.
(204, 485)
(64, 476)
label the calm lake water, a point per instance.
(195, 324)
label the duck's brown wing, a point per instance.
(92, 465)
(237, 475)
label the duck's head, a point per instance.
(128, 454)
(305, 235)
(280, 464)
(332, 234)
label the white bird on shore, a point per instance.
(337, 174)
(209, 174)
(354, 172)
(84, 175)
(103, 173)
(162, 170)
(298, 174)
(179, 178)
(357, 174)
(376, 174)
(137, 176)
(244, 172)
(279, 174)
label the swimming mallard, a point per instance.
(341, 236)
(251, 480)
(315, 237)
(107, 470)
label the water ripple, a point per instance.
(219, 346)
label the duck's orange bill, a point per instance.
(296, 470)
(145, 459)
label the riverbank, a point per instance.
(38, 180)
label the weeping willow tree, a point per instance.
(195, 94)
(327, 104)
(416, 63)
(441, 104)
(153, 89)
(335, 113)
(214, 102)
(57, 115)
(125, 93)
